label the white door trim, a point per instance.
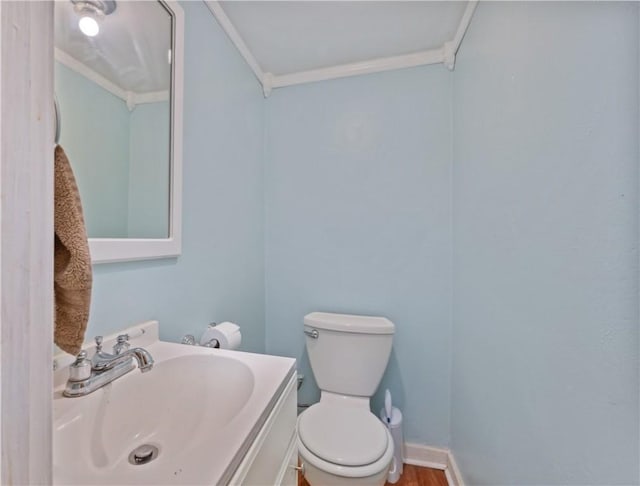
(26, 246)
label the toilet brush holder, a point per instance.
(394, 424)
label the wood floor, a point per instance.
(411, 476)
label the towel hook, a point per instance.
(56, 108)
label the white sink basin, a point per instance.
(200, 407)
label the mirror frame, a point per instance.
(111, 250)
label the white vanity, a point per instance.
(210, 416)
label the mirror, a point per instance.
(118, 83)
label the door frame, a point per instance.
(26, 243)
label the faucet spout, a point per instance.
(104, 361)
(142, 356)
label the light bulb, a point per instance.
(89, 26)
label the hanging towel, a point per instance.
(72, 276)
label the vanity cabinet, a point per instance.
(273, 456)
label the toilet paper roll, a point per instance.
(226, 333)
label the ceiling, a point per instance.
(284, 42)
(292, 36)
(131, 50)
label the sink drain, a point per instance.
(143, 454)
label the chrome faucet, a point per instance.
(86, 376)
(122, 351)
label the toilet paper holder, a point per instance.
(225, 335)
(212, 343)
(191, 340)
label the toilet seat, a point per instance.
(346, 436)
(365, 426)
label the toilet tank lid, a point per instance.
(349, 323)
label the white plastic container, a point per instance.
(394, 424)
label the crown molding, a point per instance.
(445, 55)
(130, 98)
(228, 27)
(422, 58)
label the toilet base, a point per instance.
(318, 477)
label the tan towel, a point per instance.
(72, 274)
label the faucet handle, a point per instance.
(80, 369)
(122, 344)
(98, 343)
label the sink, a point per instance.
(198, 407)
(166, 408)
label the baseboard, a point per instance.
(425, 456)
(433, 457)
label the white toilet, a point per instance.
(340, 441)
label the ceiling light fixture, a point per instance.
(91, 13)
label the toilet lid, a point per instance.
(343, 435)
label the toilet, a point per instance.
(340, 442)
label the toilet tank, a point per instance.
(350, 353)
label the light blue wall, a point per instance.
(357, 221)
(545, 375)
(220, 275)
(97, 150)
(343, 190)
(149, 171)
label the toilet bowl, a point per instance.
(340, 442)
(340, 445)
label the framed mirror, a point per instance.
(118, 84)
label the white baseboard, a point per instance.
(433, 457)
(425, 456)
